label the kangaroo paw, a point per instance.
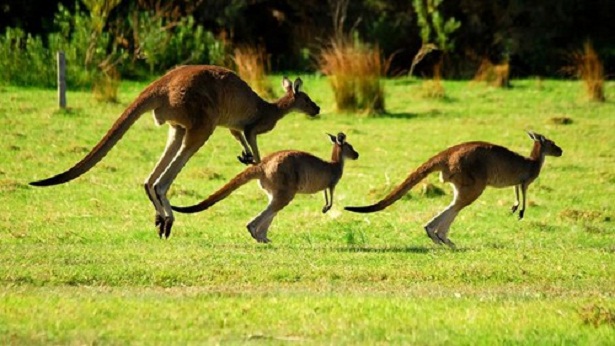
(326, 208)
(521, 212)
(514, 208)
(246, 158)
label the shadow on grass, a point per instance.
(402, 115)
(344, 249)
(395, 249)
(431, 113)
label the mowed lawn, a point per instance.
(81, 263)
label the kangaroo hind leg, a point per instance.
(432, 227)
(259, 226)
(193, 140)
(464, 196)
(174, 142)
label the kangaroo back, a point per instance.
(250, 173)
(432, 165)
(147, 101)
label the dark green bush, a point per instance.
(91, 56)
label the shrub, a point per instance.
(355, 72)
(95, 58)
(163, 43)
(252, 64)
(25, 60)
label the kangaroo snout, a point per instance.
(316, 110)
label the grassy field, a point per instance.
(81, 263)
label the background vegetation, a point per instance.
(534, 36)
(81, 263)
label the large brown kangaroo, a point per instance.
(194, 100)
(470, 168)
(282, 175)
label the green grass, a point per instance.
(81, 263)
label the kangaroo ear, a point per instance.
(341, 138)
(297, 85)
(332, 138)
(536, 136)
(287, 84)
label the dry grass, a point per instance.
(252, 64)
(586, 65)
(355, 73)
(105, 86)
(433, 89)
(496, 75)
(598, 315)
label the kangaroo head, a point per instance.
(547, 146)
(300, 100)
(344, 148)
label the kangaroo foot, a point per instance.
(514, 208)
(263, 239)
(158, 220)
(246, 158)
(447, 241)
(432, 235)
(252, 231)
(164, 225)
(326, 208)
(521, 213)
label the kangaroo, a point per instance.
(282, 175)
(471, 167)
(194, 100)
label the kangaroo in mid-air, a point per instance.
(194, 100)
(471, 167)
(282, 175)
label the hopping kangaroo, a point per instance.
(282, 175)
(470, 167)
(194, 100)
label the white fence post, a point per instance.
(61, 80)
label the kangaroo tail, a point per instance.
(145, 102)
(252, 172)
(432, 165)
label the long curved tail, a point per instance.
(252, 172)
(145, 102)
(432, 165)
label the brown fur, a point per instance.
(282, 175)
(194, 100)
(470, 168)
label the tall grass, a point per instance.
(355, 71)
(497, 75)
(106, 84)
(586, 65)
(433, 88)
(252, 64)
